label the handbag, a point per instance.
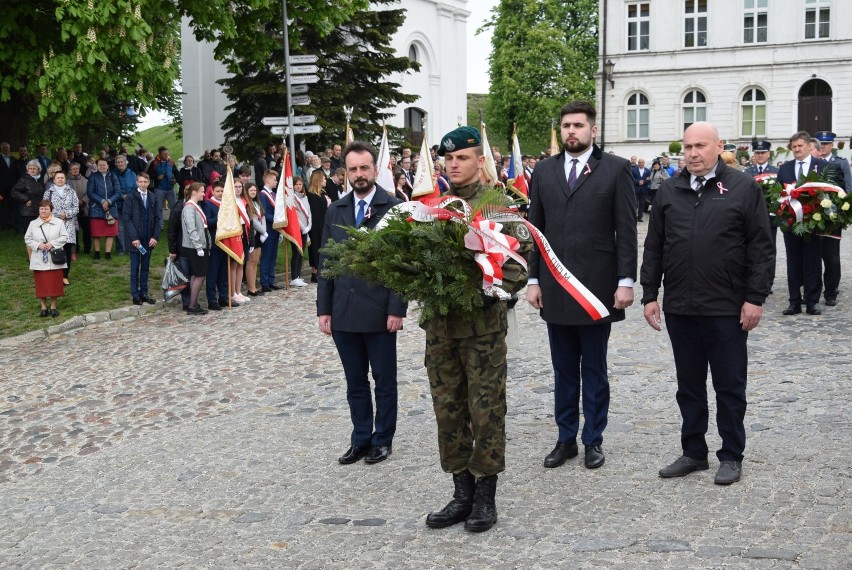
(57, 254)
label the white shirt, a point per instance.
(368, 199)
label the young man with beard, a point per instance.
(583, 201)
(466, 364)
(362, 319)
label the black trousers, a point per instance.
(831, 262)
(720, 343)
(804, 268)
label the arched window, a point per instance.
(694, 108)
(637, 116)
(753, 113)
(414, 125)
(412, 53)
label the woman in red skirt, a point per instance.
(43, 234)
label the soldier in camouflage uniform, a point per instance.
(466, 364)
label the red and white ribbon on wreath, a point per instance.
(438, 210)
(489, 245)
(792, 203)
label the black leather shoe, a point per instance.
(148, 300)
(813, 310)
(197, 310)
(214, 307)
(830, 302)
(594, 456)
(275, 287)
(792, 310)
(43, 313)
(54, 313)
(484, 513)
(353, 454)
(561, 453)
(684, 466)
(729, 472)
(265, 289)
(255, 293)
(137, 301)
(378, 453)
(460, 507)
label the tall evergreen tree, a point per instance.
(355, 59)
(544, 55)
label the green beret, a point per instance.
(458, 139)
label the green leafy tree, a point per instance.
(71, 67)
(544, 55)
(354, 57)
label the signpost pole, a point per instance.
(290, 140)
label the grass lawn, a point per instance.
(95, 285)
(156, 137)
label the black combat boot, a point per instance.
(459, 508)
(484, 514)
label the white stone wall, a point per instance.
(437, 28)
(723, 71)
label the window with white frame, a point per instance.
(638, 26)
(817, 18)
(695, 23)
(753, 113)
(694, 108)
(637, 116)
(755, 18)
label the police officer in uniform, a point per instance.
(466, 364)
(760, 149)
(831, 246)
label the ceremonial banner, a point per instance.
(229, 231)
(424, 177)
(517, 177)
(286, 219)
(385, 176)
(489, 168)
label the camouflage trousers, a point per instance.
(467, 377)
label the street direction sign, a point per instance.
(301, 100)
(303, 69)
(298, 89)
(297, 130)
(304, 119)
(303, 79)
(297, 59)
(306, 129)
(270, 121)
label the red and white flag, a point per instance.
(286, 218)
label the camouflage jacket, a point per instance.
(514, 279)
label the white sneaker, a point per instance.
(236, 301)
(243, 298)
(298, 282)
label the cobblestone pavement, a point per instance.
(173, 440)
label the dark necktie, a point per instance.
(801, 168)
(699, 185)
(572, 176)
(760, 170)
(359, 217)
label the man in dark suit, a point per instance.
(362, 319)
(143, 219)
(8, 177)
(830, 246)
(583, 201)
(760, 150)
(804, 254)
(641, 179)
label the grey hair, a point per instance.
(35, 163)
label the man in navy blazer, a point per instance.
(804, 254)
(142, 214)
(641, 179)
(760, 150)
(583, 201)
(831, 247)
(362, 319)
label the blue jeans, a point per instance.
(139, 273)
(269, 256)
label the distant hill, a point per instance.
(156, 137)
